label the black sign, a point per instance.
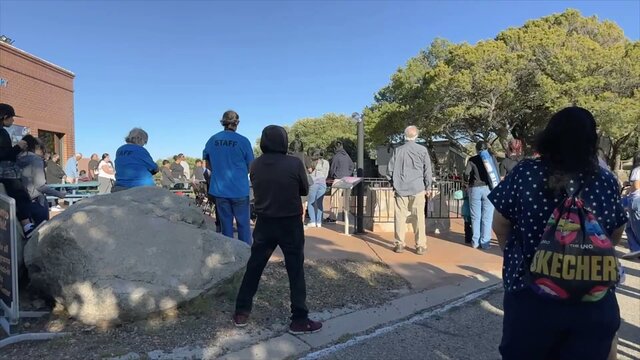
(6, 282)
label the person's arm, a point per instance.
(428, 174)
(502, 228)
(334, 166)
(107, 169)
(390, 165)
(503, 169)
(303, 181)
(151, 165)
(467, 171)
(617, 234)
(248, 154)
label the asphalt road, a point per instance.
(473, 331)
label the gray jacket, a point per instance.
(33, 176)
(410, 169)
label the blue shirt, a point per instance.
(524, 199)
(230, 155)
(71, 170)
(134, 166)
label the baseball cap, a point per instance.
(7, 110)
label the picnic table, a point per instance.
(75, 192)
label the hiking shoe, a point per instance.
(421, 250)
(306, 326)
(240, 320)
(631, 255)
(399, 249)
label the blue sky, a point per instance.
(173, 67)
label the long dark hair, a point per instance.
(636, 161)
(569, 145)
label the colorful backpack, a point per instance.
(575, 260)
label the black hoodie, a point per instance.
(278, 180)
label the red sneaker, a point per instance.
(305, 326)
(240, 320)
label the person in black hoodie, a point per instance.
(278, 180)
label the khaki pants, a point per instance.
(412, 208)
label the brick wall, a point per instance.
(40, 92)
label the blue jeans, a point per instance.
(481, 216)
(633, 226)
(237, 208)
(315, 197)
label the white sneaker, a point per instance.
(319, 225)
(310, 225)
(631, 255)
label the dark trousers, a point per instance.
(39, 211)
(15, 189)
(288, 233)
(535, 328)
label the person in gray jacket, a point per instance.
(31, 162)
(410, 173)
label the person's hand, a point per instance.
(22, 144)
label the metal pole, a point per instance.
(360, 174)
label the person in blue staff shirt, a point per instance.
(134, 165)
(229, 155)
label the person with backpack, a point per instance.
(480, 184)
(557, 219)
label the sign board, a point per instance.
(8, 260)
(347, 182)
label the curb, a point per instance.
(433, 301)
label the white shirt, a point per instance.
(635, 176)
(102, 173)
(187, 171)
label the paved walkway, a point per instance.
(448, 259)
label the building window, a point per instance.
(52, 141)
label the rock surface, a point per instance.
(122, 256)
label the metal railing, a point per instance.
(379, 202)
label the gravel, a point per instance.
(332, 287)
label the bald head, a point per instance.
(411, 133)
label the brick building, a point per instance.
(42, 93)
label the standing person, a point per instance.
(633, 204)
(186, 170)
(31, 162)
(341, 166)
(536, 327)
(229, 155)
(514, 156)
(198, 172)
(134, 165)
(71, 169)
(93, 167)
(106, 175)
(10, 174)
(319, 174)
(177, 172)
(167, 181)
(54, 172)
(278, 182)
(481, 208)
(410, 173)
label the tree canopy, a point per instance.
(510, 86)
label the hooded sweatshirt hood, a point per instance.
(274, 140)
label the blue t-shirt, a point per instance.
(134, 166)
(71, 170)
(230, 155)
(525, 200)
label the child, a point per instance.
(83, 176)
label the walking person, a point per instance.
(229, 155)
(409, 171)
(534, 325)
(481, 208)
(633, 205)
(134, 165)
(106, 175)
(278, 182)
(10, 175)
(319, 174)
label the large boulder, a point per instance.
(122, 256)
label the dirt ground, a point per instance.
(331, 286)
